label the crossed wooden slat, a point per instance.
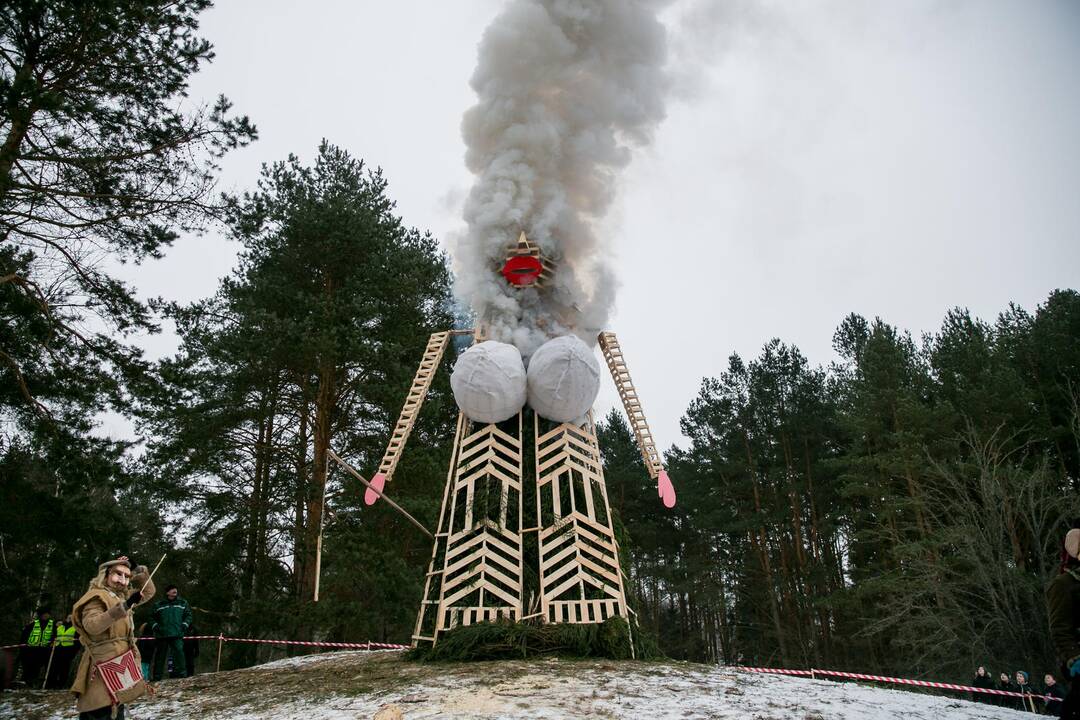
(483, 558)
(577, 545)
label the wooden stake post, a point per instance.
(322, 525)
(48, 668)
(331, 455)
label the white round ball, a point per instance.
(489, 382)
(564, 378)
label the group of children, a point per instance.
(1020, 683)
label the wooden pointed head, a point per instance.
(525, 266)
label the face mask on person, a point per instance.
(118, 578)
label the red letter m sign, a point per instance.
(121, 673)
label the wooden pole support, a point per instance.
(322, 525)
(220, 640)
(48, 668)
(378, 492)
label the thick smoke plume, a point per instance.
(566, 88)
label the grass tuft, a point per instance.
(505, 640)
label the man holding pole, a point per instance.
(108, 674)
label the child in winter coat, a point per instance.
(1056, 693)
(146, 648)
(1005, 684)
(1024, 686)
(983, 680)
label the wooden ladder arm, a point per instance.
(421, 383)
(407, 419)
(613, 355)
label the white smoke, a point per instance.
(565, 89)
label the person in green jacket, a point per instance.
(172, 618)
(1063, 609)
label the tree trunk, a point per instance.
(263, 505)
(763, 556)
(251, 545)
(20, 118)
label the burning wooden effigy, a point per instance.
(564, 90)
(525, 478)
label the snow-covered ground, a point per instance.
(352, 685)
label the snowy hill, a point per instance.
(354, 685)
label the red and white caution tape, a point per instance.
(777, 671)
(355, 646)
(898, 681)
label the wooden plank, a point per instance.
(441, 532)
(489, 587)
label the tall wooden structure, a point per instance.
(508, 501)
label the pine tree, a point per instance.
(98, 164)
(311, 345)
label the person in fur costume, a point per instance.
(103, 617)
(1063, 609)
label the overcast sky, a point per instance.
(885, 158)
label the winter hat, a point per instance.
(1024, 674)
(104, 567)
(1072, 543)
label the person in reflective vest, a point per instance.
(63, 652)
(37, 637)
